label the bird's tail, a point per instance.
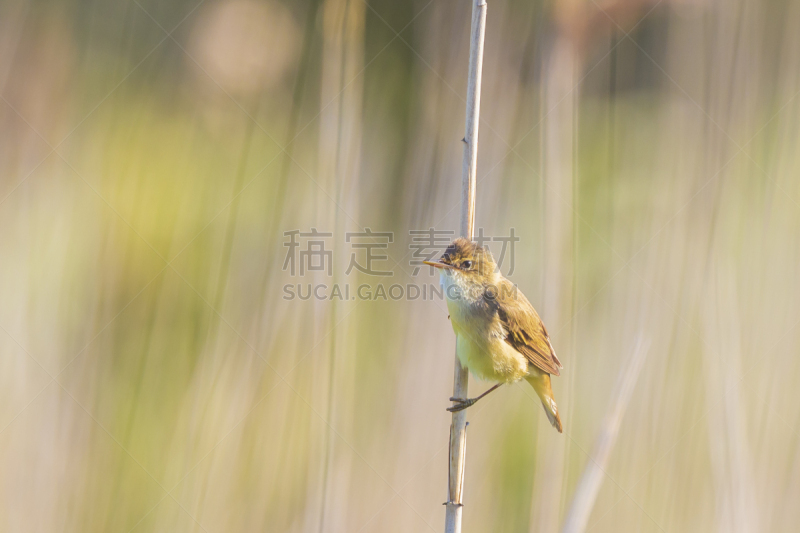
(541, 384)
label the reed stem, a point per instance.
(458, 427)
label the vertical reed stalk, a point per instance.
(458, 427)
(595, 471)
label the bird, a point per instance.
(499, 335)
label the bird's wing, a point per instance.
(525, 331)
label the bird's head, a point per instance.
(468, 262)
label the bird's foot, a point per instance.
(461, 404)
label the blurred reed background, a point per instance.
(153, 378)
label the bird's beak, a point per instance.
(437, 264)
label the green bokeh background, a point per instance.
(153, 377)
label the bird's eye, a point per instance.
(466, 265)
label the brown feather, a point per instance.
(525, 331)
(488, 311)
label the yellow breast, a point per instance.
(480, 344)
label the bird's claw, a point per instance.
(461, 404)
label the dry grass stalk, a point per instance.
(593, 475)
(458, 427)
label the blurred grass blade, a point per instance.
(593, 475)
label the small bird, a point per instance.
(499, 335)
